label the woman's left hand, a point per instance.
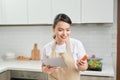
(82, 65)
(48, 69)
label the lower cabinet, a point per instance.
(28, 75)
(5, 75)
(31, 75)
(85, 77)
(22, 75)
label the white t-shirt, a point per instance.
(77, 49)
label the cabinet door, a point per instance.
(39, 11)
(96, 78)
(97, 11)
(5, 75)
(29, 75)
(0, 11)
(14, 11)
(69, 7)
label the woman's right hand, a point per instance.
(48, 69)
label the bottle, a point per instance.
(35, 53)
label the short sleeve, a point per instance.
(80, 50)
(47, 49)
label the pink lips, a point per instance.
(64, 37)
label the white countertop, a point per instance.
(20, 65)
(107, 70)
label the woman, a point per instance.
(71, 50)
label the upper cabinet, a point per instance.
(69, 7)
(14, 12)
(39, 11)
(97, 11)
(0, 11)
(44, 11)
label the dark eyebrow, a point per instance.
(62, 28)
(68, 28)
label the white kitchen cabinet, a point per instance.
(44, 11)
(39, 11)
(69, 7)
(0, 11)
(96, 78)
(97, 11)
(14, 11)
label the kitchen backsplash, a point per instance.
(98, 39)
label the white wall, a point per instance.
(97, 38)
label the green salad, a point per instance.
(94, 64)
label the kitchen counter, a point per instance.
(107, 69)
(20, 65)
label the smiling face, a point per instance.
(62, 32)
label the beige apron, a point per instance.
(69, 72)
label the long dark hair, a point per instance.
(61, 17)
